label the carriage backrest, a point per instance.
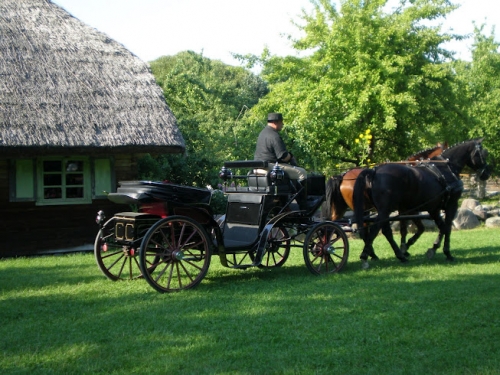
(258, 182)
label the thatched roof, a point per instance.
(65, 84)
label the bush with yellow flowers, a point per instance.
(363, 148)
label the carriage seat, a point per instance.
(258, 178)
(258, 181)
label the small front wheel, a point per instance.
(326, 248)
(176, 253)
(115, 260)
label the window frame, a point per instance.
(87, 182)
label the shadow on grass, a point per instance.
(74, 320)
(41, 277)
(238, 315)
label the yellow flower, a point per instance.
(356, 140)
(361, 136)
(367, 131)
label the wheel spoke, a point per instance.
(277, 249)
(324, 243)
(182, 245)
(115, 260)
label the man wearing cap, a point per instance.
(270, 147)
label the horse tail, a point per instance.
(334, 206)
(363, 182)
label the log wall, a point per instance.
(28, 229)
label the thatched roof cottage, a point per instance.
(76, 111)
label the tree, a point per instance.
(367, 69)
(209, 99)
(481, 79)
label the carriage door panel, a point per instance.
(243, 217)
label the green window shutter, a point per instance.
(24, 180)
(102, 177)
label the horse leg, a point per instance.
(415, 237)
(446, 244)
(374, 229)
(437, 243)
(450, 213)
(368, 235)
(403, 229)
(387, 231)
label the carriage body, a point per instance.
(171, 237)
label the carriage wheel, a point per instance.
(277, 248)
(326, 248)
(176, 254)
(116, 261)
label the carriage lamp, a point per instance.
(100, 218)
(276, 174)
(225, 174)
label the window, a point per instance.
(63, 180)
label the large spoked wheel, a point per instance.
(175, 253)
(277, 248)
(116, 261)
(326, 248)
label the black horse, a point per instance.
(430, 186)
(340, 189)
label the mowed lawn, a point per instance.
(60, 315)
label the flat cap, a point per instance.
(271, 117)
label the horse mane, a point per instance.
(475, 140)
(452, 147)
(426, 153)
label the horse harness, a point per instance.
(479, 149)
(455, 186)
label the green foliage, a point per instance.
(366, 69)
(209, 100)
(480, 85)
(152, 169)
(218, 202)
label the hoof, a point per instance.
(407, 254)
(374, 257)
(365, 265)
(450, 258)
(430, 253)
(403, 260)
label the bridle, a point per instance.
(478, 149)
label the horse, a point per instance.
(339, 196)
(428, 186)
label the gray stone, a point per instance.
(465, 219)
(470, 203)
(494, 212)
(480, 212)
(493, 222)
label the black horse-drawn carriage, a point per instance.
(171, 238)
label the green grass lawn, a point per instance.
(60, 315)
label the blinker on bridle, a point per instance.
(479, 149)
